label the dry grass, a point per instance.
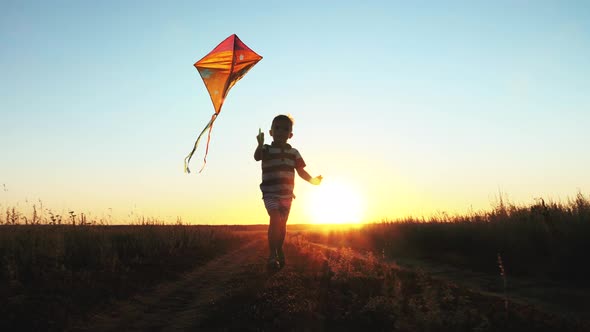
(546, 240)
(55, 267)
(323, 289)
(51, 273)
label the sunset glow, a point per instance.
(335, 202)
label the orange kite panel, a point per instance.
(224, 66)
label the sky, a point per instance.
(412, 108)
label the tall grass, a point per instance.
(51, 273)
(543, 239)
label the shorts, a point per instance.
(276, 203)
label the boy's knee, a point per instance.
(275, 216)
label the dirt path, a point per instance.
(184, 303)
(235, 292)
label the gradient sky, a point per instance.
(421, 107)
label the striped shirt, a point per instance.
(278, 170)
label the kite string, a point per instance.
(190, 155)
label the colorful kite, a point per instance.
(220, 70)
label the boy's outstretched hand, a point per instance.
(260, 137)
(317, 180)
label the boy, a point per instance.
(279, 163)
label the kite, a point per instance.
(220, 70)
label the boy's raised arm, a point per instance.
(258, 153)
(259, 149)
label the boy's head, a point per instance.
(282, 128)
(283, 119)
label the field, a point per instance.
(513, 268)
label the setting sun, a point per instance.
(335, 202)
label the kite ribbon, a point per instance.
(208, 127)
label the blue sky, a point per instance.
(423, 107)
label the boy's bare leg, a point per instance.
(271, 246)
(283, 229)
(281, 237)
(274, 232)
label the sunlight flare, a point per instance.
(335, 202)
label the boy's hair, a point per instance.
(282, 117)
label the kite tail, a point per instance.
(209, 126)
(208, 140)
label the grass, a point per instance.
(545, 240)
(335, 290)
(56, 267)
(64, 271)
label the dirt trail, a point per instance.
(184, 303)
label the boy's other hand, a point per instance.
(317, 180)
(260, 137)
